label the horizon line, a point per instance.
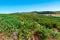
(23, 12)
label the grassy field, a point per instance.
(29, 26)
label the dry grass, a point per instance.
(56, 15)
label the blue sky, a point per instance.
(10, 6)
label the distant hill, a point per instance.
(42, 12)
(47, 12)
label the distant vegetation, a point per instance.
(25, 26)
(44, 12)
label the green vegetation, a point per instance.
(30, 24)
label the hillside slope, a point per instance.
(29, 26)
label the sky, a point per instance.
(11, 6)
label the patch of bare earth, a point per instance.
(3, 36)
(52, 38)
(36, 36)
(56, 15)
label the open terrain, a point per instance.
(56, 15)
(30, 26)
